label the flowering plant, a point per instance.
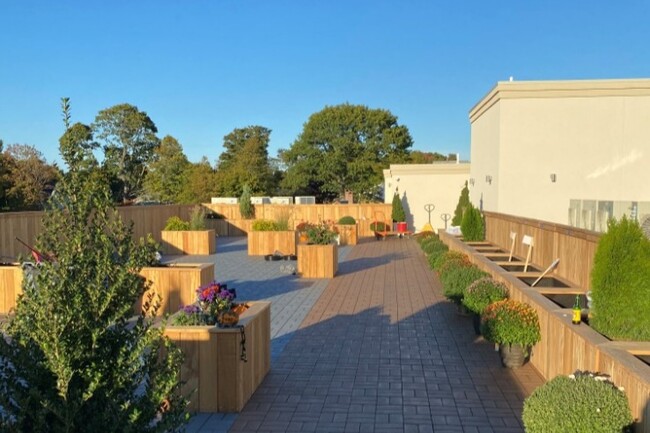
(212, 300)
(322, 233)
(482, 293)
(510, 322)
(302, 226)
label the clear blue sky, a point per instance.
(201, 68)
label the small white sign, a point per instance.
(528, 240)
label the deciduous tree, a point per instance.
(245, 160)
(129, 138)
(199, 183)
(344, 148)
(167, 172)
(32, 178)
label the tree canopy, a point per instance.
(129, 138)
(198, 183)
(245, 160)
(30, 179)
(345, 148)
(167, 172)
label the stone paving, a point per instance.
(376, 349)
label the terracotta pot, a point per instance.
(513, 355)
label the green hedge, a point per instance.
(620, 283)
(265, 226)
(577, 403)
(347, 221)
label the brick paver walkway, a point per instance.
(382, 351)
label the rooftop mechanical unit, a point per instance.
(224, 200)
(261, 200)
(305, 200)
(281, 200)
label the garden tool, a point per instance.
(429, 208)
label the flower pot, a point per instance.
(513, 355)
(476, 322)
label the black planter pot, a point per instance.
(476, 321)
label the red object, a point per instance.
(401, 227)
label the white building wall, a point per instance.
(419, 184)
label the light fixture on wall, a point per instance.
(488, 179)
(553, 177)
(471, 181)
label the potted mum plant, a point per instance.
(319, 257)
(580, 402)
(479, 295)
(514, 326)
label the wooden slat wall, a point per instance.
(11, 285)
(176, 285)
(565, 348)
(215, 377)
(573, 246)
(152, 219)
(263, 243)
(348, 234)
(201, 242)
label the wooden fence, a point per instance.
(152, 219)
(564, 347)
(573, 246)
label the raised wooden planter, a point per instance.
(213, 373)
(199, 242)
(317, 261)
(565, 348)
(11, 285)
(348, 234)
(263, 243)
(176, 284)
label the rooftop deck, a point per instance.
(376, 349)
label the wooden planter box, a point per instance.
(199, 242)
(11, 285)
(213, 373)
(348, 234)
(263, 243)
(317, 261)
(176, 284)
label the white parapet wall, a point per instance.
(224, 200)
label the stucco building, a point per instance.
(571, 152)
(439, 183)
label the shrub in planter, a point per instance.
(378, 226)
(449, 260)
(482, 293)
(511, 322)
(321, 234)
(620, 282)
(581, 402)
(264, 226)
(347, 221)
(456, 280)
(176, 224)
(472, 226)
(463, 204)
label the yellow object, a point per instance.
(427, 228)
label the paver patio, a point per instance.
(381, 350)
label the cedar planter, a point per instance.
(200, 242)
(213, 373)
(11, 286)
(317, 261)
(263, 243)
(176, 284)
(348, 234)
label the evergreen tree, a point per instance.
(463, 204)
(246, 208)
(167, 172)
(472, 225)
(398, 213)
(75, 360)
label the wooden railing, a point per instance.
(152, 219)
(564, 347)
(573, 246)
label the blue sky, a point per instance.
(201, 68)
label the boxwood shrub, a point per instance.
(582, 402)
(265, 226)
(347, 220)
(620, 283)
